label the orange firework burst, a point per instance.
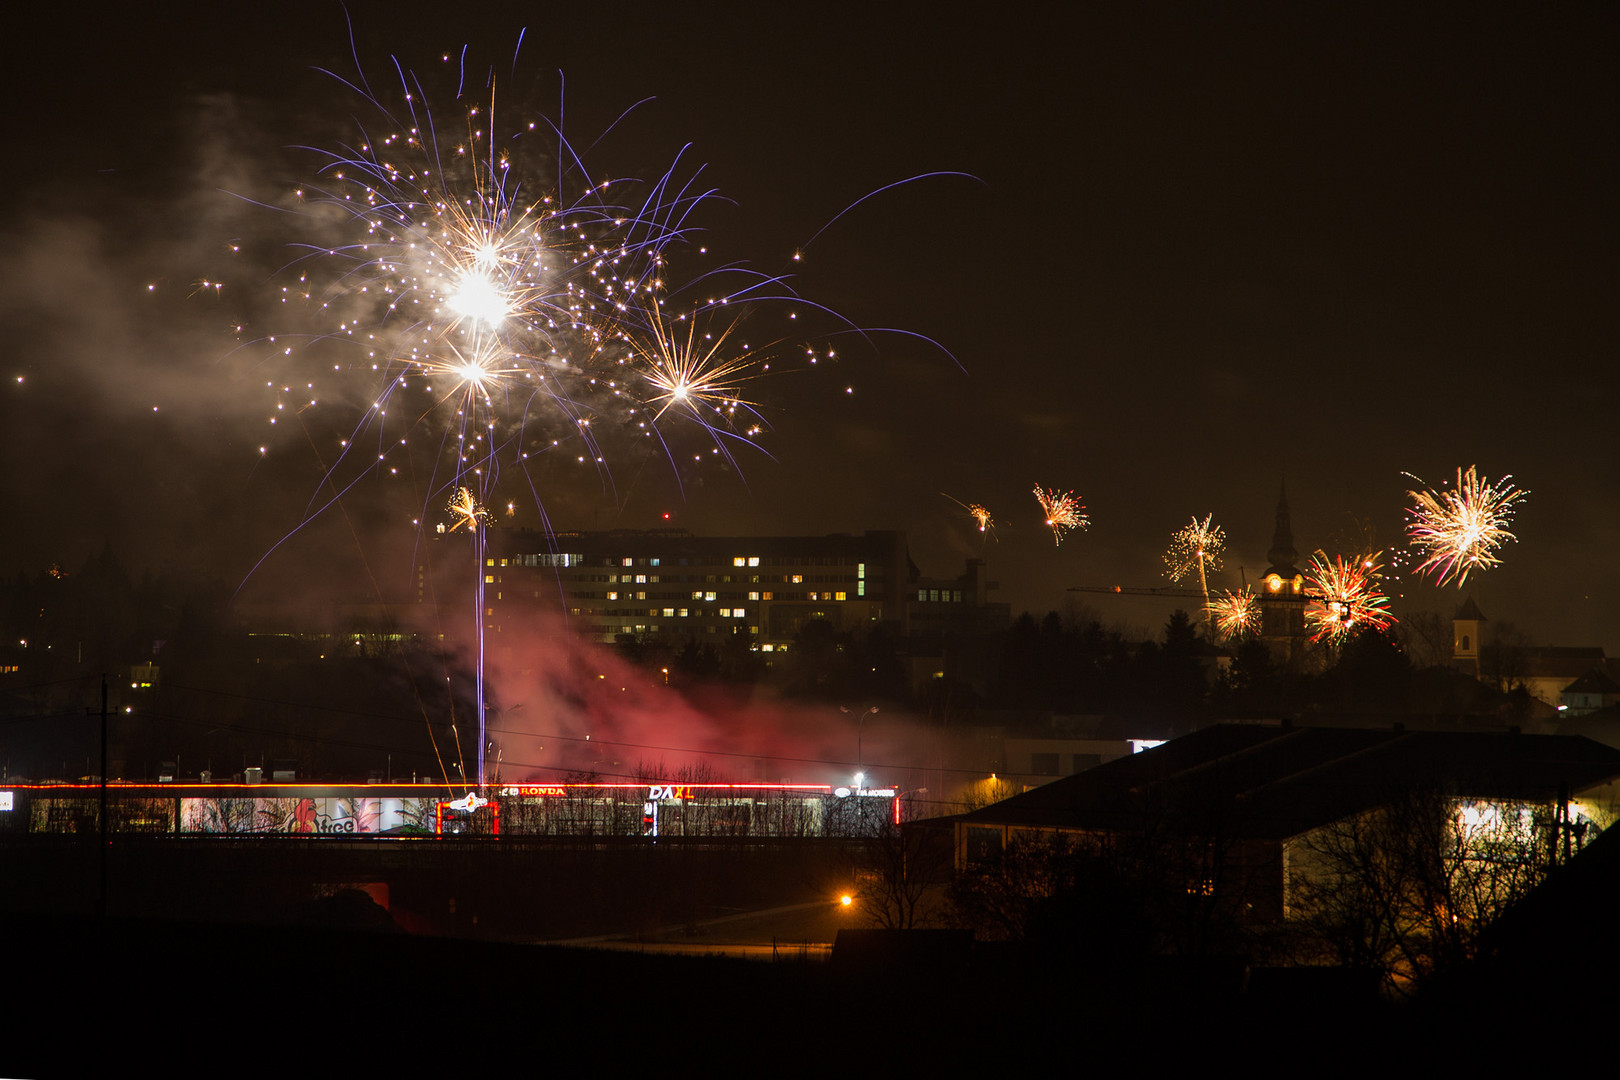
(1237, 614)
(467, 510)
(981, 516)
(1344, 597)
(1459, 530)
(1063, 512)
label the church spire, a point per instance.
(1282, 553)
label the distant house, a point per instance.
(1594, 690)
(1245, 805)
(1549, 669)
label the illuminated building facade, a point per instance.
(674, 587)
(404, 811)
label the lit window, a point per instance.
(489, 579)
(641, 579)
(753, 560)
(628, 562)
(753, 596)
(813, 596)
(739, 561)
(697, 594)
(797, 579)
(685, 612)
(840, 596)
(710, 596)
(922, 594)
(860, 588)
(613, 596)
(860, 570)
(669, 613)
(655, 562)
(767, 596)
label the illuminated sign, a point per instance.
(665, 792)
(7, 800)
(545, 790)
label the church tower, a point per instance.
(1282, 591)
(1465, 627)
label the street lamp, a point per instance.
(860, 725)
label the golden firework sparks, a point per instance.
(464, 505)
(1196, 546)
(1459, 529)
(1236, 614)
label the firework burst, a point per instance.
(1236, 614)
(1195, 546)
(1458, 530)
(465, 508)
(1063, 512)
(503, 302)
(981, 517)
(695, 373)
(1344, 597)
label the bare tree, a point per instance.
(898, 872)
(1407, 889)
(1427, 639)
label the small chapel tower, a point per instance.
(1465, 628)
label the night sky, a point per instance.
(1199, 253)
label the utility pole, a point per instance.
(101, 817)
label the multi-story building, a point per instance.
(671, 586)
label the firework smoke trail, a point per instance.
(1459, 529)
(1345, 597)
(468, 511)
(1195, 546)
(1063, 512)
(1237, 614)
